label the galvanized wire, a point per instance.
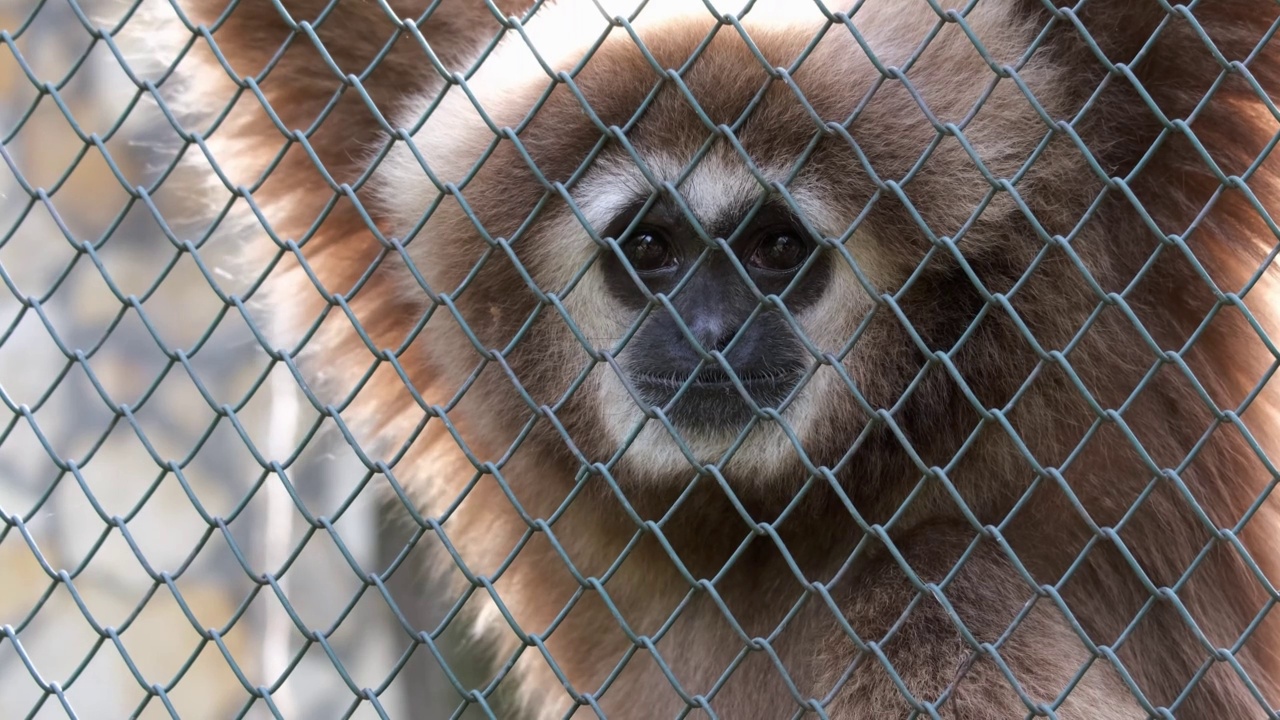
(272, 466)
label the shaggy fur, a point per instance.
(1032, 418)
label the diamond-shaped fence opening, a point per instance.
(333, 336)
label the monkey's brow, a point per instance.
(668, 213)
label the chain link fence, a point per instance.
(185, 531)
(136, 517)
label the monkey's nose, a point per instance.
(712, 330)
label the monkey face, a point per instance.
(713, 355)
(718, 296)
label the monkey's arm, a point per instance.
(923, 639)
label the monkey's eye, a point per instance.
(779, 252)
(648, 251)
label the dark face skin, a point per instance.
(714, 302)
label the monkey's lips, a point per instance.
(712, 400)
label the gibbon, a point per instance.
(893, 358)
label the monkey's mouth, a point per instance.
(712, 400)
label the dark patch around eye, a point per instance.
(664, 244)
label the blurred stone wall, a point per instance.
(134, 517)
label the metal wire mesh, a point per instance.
(185, 529)
(134, 509)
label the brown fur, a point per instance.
(1138, 486)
